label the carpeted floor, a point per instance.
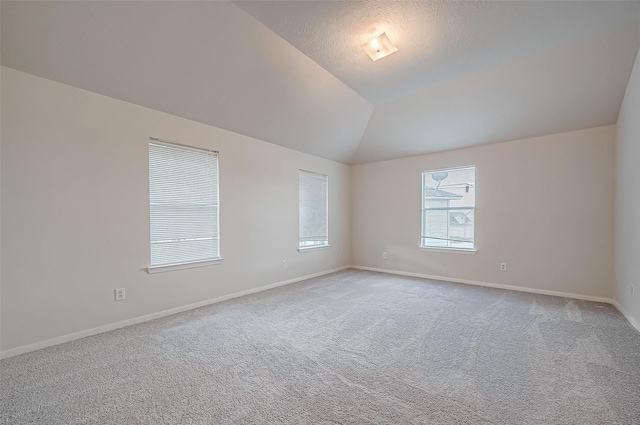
(353, 347)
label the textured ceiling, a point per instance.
(439, 41)
(293, 73)
(568, 88)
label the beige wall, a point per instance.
(543, 205)
(75, 214)
(627, 240)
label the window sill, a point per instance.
(172, 267)
(450, 250)
(312, 248)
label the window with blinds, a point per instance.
(448, 208)
(313, 210)
(183, 201)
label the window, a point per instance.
(313, 198)
(183, 204)
(448, 207)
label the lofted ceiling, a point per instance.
(293, 73)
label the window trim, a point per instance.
(327, 244)
(446, 249)
(451, 250)
(312, 248)
(151, 269)
(181, 266)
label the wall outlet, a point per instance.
(119, 294)
(341, 253)
(503, 267)
(385, 255)
(633, 290)
(284, 264)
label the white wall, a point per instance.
(627, 235)
(543, 205)
(75, 214)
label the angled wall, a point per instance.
(627, 234)
(208, 61)
(75, 212)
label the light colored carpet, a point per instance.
(349, 348)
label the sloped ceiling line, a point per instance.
(206, 61)
(293, 73)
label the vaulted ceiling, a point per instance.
(293, 73)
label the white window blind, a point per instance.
(313, 208)
(183, 198)
(448, 208)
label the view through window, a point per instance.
(448, 208)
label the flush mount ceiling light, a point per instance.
(379, 47)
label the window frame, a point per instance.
(156, 268)
(326, 223)
(446, 249)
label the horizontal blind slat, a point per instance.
(313, 212)
(183, 204)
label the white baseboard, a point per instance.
(105, 328)
(635, 323)
(490, 285)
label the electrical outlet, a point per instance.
(633, 290)
(284, 264)
(503, 267)
(341, 253)
(385, 255)
(119, 294)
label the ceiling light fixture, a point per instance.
(379, 47)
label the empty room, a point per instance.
(320, 212)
